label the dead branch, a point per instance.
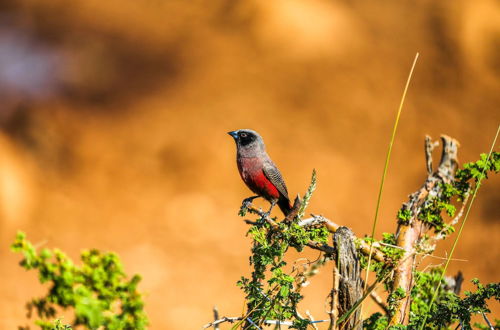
(349, 268)
(222, 320)
(379, 301)
(409, 233)
(216, 317)
(333, 311)
(311, 318)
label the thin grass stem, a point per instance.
(384, 173)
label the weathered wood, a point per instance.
(349, 271)
(410, 232)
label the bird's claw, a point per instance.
(247, 202)
(245, 205)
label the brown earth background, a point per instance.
(114, 116)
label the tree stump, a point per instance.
(350, 288)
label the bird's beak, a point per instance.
(234, 134)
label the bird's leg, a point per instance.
(273, 202)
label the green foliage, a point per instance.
(404, 216)
(453, 309)
(394, 296)
(376, 321)
(422, 291)
(98, 291)
(271, 292)
(56, 325)
(448, 310)
(392, 255)
(391, 251)
(479, 170)
(432, 210)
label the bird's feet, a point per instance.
(265, 215)
(268, 213)
(247, 202)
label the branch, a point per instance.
(222, 320)
(216, 317)
(321, 247)
(332, 228)
(409, 232)
(315, 220)
(349, 268)
(239, 318)
(378, 300)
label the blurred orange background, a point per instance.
(114, 116)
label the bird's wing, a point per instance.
(274, 175)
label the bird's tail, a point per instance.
(285, 206)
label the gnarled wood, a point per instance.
(349, 270)
(408, 233)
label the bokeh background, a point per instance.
(114, 115)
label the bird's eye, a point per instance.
(243, 135)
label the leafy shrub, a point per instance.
(98, 291)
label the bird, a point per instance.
(258, 171)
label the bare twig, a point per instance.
(379, 301)
(311, 318)
(487, 321)
(334, 299)
(222, 320)
(263, 215)
(321, 247)
(216, 317)
(425, 254)
(275, 322)
(429, 147)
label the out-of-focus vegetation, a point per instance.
(98, 291)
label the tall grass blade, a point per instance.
(384, 173)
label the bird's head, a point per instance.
(247, 140)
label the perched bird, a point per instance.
(258, 170)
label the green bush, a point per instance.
(98, 291)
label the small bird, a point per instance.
(258, 170)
